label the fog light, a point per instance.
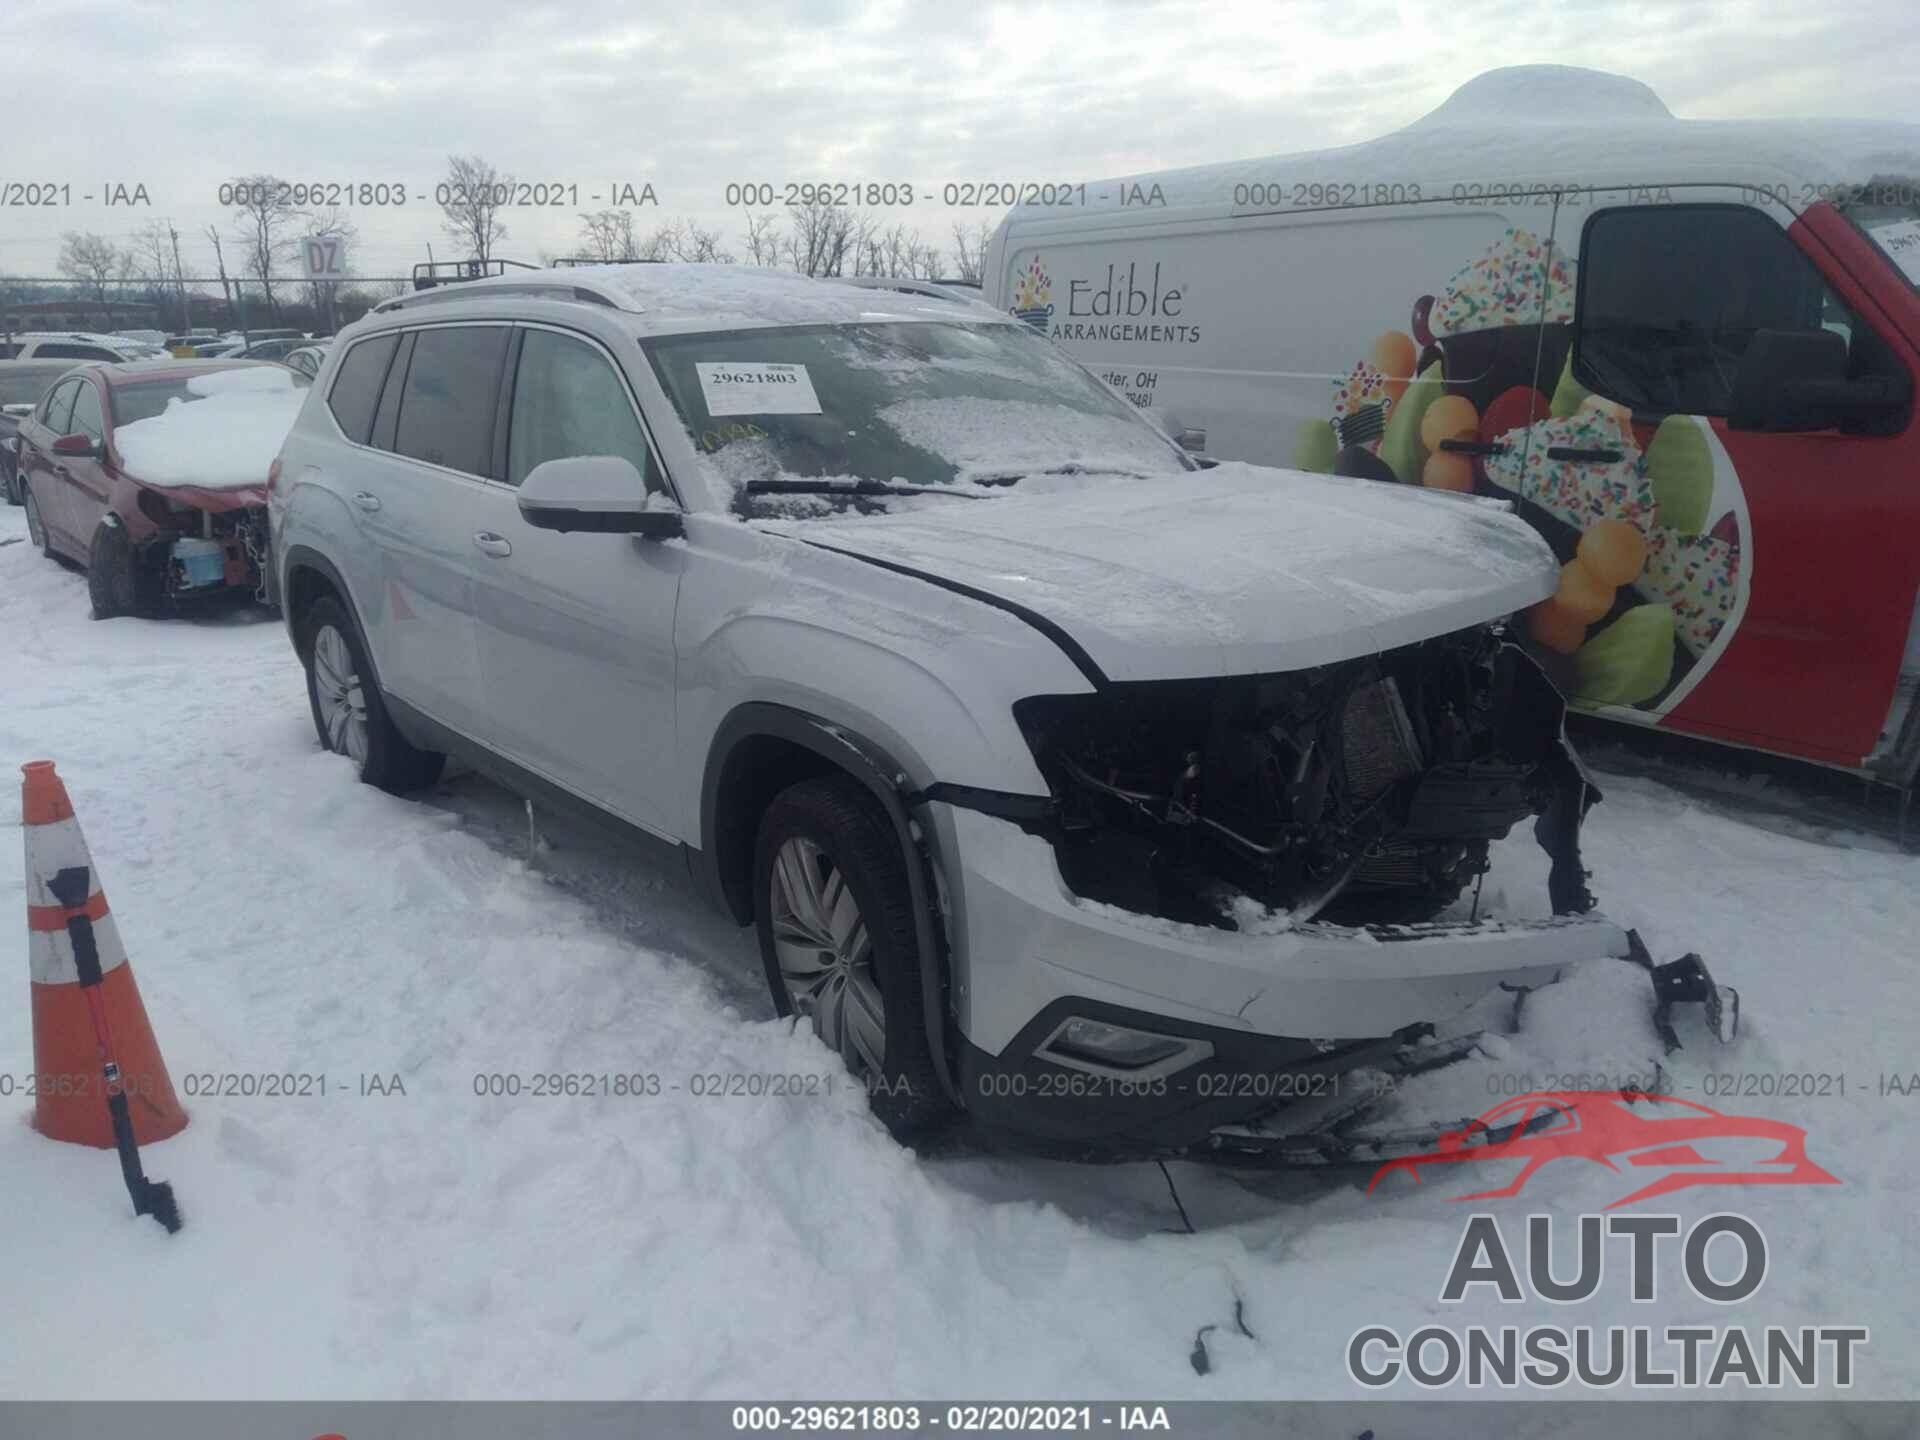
(1083, 1044)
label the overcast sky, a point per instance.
(690, 97)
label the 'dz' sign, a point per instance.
(324, 257)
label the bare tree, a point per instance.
(970, 249)
(686, 240)
(91, 261)
(608, 235)
(155, 261)
(763, 239)
(264, 218)
(474, 195)
(819, 238)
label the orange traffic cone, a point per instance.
(71, 1092)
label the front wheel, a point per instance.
(348, 711)
(113, 581)
(835, 919)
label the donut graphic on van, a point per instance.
(1643, 511)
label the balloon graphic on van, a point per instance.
(1031, 291)
(1642, 511)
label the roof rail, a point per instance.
(931, 288)
(539, 285)
(566, 262)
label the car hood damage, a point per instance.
(1236, 570)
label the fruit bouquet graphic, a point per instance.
(1652, 559)
(1031, 292)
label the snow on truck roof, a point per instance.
(1529, 125)
(684, 297)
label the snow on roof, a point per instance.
(1535, 124)
(225, 438)
(695, 296)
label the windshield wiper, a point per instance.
(851, 487)
(1013, 477)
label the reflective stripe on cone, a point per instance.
(70, 1095)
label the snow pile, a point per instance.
(225, 438)
(444, 1243)
(1546, 95)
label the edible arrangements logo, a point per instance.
(1688, 1145)
(1032, 292)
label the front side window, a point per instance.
(447, 403)
(921, 403)
(58, 406)
(1670, 298)
(568, 400)
(61, 351)
(87, 419)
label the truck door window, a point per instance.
(1671, 295)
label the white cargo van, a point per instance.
(1684, 350)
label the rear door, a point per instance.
(576, 630)
(415, 496)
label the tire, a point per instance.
(349, 714)
(828, 841)
(112, 582)
(36, 527)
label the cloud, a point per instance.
(179, 98)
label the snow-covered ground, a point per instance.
(282, 918)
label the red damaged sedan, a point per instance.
(153, 475)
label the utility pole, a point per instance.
(180, 281)
(219, 259)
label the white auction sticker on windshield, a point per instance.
(1901, 240)
(757, 389)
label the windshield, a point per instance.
(1888, 213)
(921, 403)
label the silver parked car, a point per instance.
(1044, 761)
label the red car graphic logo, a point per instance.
(1690, 1143)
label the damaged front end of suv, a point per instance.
(1362, 792)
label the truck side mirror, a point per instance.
(1797, 380)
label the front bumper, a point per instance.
(1312, 1000)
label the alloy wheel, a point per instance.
(826, 955)
(339, 694)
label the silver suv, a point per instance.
(1064, 778)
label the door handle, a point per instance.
(367, 500)
(489, 543)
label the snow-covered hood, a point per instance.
(1230, 571)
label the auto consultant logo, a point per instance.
(1656, 1143)
(1032, 292)
(1549, 1356)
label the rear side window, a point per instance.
(58, 351)
(1670, 297)
(356, 388)
(87, 419)
(59, 405)
(447, 404)
(567, 400)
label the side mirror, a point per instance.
(78, 447)
(19, 412)
(1797, 380)
(599, 493)
(1194, 442)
